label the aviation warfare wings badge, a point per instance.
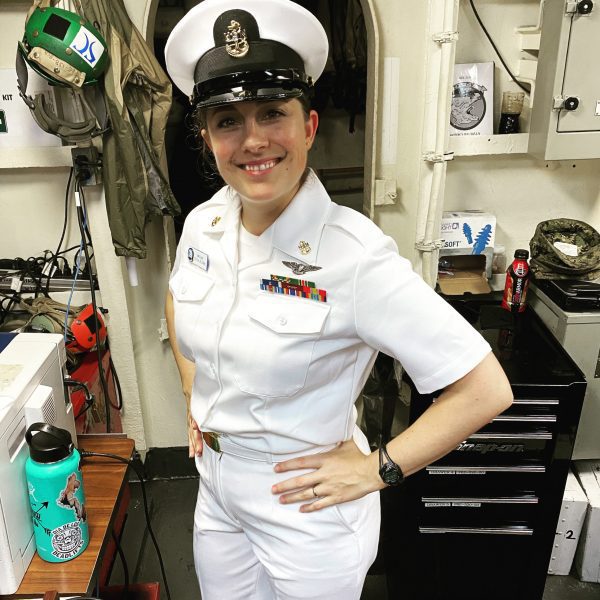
(298, 268)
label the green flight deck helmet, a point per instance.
(63, 47)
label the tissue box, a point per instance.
(469, 232)
(472, 111)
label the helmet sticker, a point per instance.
(88, 46)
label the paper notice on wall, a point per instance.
(18, 128)
(472, 99)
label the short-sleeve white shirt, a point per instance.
(281, 373)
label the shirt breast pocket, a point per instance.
(189, 288)
(275, 355)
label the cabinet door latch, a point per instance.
(582, 7)
(565, 102)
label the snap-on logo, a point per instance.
(485, 448)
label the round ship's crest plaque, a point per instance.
(468, 105)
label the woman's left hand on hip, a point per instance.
(340, 475)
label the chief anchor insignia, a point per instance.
(300, 269)
(236, 43)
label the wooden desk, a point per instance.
(104, 481)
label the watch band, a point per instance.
(383, 454)
(389, 471)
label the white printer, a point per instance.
(32, 371)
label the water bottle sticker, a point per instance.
(68, 499)
(67, 540)
(37, 509)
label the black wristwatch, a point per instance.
(389, 471)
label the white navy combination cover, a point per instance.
(279, 373)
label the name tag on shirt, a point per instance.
(198, 258)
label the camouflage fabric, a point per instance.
(549, 261)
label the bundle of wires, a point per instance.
(41, 269)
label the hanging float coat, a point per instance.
(138, 95)
(280, 374)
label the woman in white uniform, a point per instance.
(278, 303)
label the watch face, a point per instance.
(390, 474)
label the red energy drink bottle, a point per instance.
(517, 281)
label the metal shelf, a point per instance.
(39, 157)
(57, 284)
(512, 143)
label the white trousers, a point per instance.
(249, 546)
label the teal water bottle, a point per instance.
(56, 493)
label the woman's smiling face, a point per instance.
(261, 148)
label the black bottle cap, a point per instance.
(522, 254)
(50, 444)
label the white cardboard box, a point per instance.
(587, 557)
(472, 110)
(568, 528)
(469, 232)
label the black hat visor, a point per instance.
(272, 84)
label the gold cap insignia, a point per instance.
(236, 43)
(304, 247)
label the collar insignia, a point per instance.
(304, 247)
(300, 269)
(236, 43)
(215, 221)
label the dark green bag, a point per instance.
(579, 258)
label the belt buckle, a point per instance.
(212, 440)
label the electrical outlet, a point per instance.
(87, 162)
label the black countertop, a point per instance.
(527, 351)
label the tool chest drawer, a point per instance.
(501, 450)
(502, 513)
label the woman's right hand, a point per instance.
(194, 438)
(194, 434)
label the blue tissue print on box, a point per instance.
(482, 239)
(468, 233)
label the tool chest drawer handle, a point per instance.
(457, 470)
(540, 401)
(512, 436)
(504, 500)
(479, 530)
(525, 418)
